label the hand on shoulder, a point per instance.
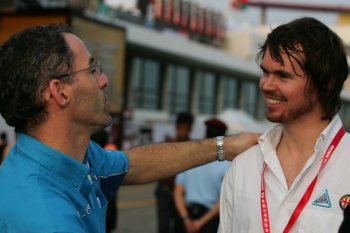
(239, 143)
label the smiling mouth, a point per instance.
(273, 101)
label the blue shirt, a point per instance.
(44, 190)
(202, 184)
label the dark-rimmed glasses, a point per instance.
(97, 67)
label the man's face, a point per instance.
(183, 131)
(89, 105)
(286, 91)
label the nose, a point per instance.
(103, 80)
(267, 82)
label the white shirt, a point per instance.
(240, 195)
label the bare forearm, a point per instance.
(212, 213)
(180, 202)
(155, 161)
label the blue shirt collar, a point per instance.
(71, 170)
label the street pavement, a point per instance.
(136, 209)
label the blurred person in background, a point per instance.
(168, 219)
(62, 178)
(197, 191)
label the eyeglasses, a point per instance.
(95, 68)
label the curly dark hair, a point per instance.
(28, 61)
(319, 52)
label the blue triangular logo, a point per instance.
(323, 200)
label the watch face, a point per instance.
(220, 150)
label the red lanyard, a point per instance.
(303, 201)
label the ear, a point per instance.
(58, 92)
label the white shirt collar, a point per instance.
(270, 139)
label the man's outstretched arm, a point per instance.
(155, 161)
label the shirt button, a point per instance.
(285, 203)
(88, 209)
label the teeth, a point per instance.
(273, 101)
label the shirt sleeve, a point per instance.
(180, 178)
(111, 167)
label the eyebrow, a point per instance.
(279, 71)
(263, 68)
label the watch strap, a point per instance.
(220, 149)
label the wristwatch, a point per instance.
(220, 149)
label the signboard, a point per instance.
(12, 23)
(107, 43)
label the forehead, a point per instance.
(288, 60)
(80, 53)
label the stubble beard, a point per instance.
(294, 113)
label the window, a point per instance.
(178, 88)
(228, 92)
(249, 96)
(145, 86)
(206, 93)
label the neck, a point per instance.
(302, 135)
(73, 143)
(297, 145)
